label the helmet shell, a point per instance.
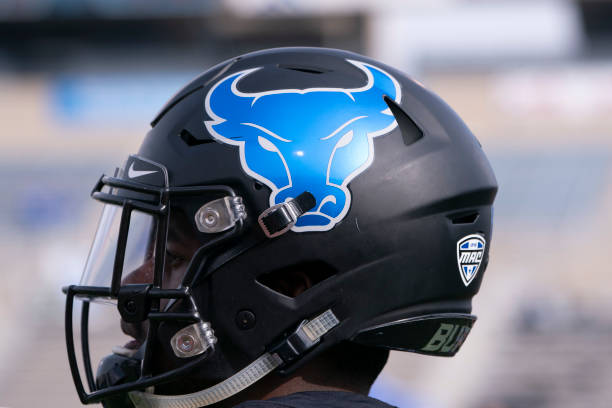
(394, 253)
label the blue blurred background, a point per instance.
(81, 79)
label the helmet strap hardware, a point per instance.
(220, 214)
(133, 302)
(280, 218)
(193, 340)
(306, 336)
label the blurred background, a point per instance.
(81, 79)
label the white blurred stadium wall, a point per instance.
(80, 79)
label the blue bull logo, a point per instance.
(296, 140)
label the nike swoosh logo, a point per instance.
(138, 173)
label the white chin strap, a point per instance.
(308, 333)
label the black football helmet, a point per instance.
(293, 158)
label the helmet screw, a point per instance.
(245, 319)
(210, 217)
(130, 306)
(186, 343)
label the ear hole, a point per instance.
(191, 140)
(296, 279)
(464, 218)
(410, 130)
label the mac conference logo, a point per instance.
(470, 251)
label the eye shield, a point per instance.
(139, 248)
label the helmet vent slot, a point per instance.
(191, 140)
(296, 279)
(303, 68)
(410, 131)
(464, 218)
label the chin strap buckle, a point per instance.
(307, 335)
(280, 218)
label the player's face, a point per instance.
(181, 245)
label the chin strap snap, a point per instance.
(308, 334)
(280, 218)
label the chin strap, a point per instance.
(307, 335)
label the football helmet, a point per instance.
(314, 159)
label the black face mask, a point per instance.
(130, 266)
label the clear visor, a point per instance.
(139, 249)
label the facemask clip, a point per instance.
(193, 340)
(220, 214)
(134, 303)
